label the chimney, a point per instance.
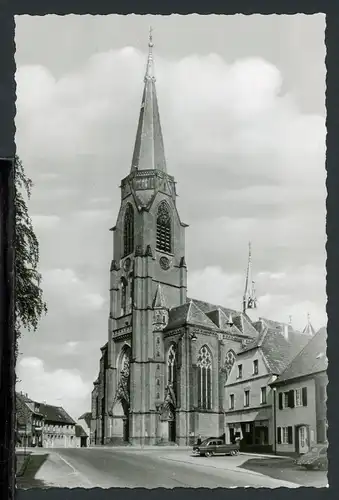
(285, 331)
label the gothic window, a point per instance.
(164, 233)
(229, 361)
(129, 230)
(171, 366)
(123, 287)
(205, 379)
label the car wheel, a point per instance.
(309, 467)
(232, 453)
(208, 454)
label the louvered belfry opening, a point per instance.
(164, 233)
(129, 230)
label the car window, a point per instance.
(218, 442)
(211, 443)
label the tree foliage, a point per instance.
(29, 303)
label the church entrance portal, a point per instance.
(171, 431)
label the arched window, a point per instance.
(172, 367)
(229, 361)
(164, 233)
(123, 287)
(205, 379)
(129, 230)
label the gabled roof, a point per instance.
(277, 350)
(55, 414)
(48, 412)
(240, 320)
(87, 417)
(224, 322)
(311, 359)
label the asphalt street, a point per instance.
(135, 468)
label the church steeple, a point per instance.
(149, 153)
(249, 298)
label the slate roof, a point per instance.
(311, 359)
(79, 431)
(25, 405)
(55, 414)
(277, 350)
(188, 313)
(240, 320)
(309, 330)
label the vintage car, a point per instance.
(213, 446)
(316, 458)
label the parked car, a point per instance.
(213, 446)
(316, 458)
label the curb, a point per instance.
(258, 455)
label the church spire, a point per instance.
(249, 298)
(309, 330)
(149, 151)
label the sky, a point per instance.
(242, 107)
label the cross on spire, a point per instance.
(149, 75)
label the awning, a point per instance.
(248, 416)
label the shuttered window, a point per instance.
(304, 396)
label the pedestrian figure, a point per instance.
(199, 440)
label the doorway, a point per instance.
(171, 431)
(126, 428)
(302, 439)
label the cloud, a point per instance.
(71, 293)
(59, 387)
(41, 222)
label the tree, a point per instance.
(29, 303)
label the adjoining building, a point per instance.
(29, 421)
(248, 395)
(300, 395)
(163, 369)
(41, 424)
(83, 429)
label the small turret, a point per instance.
(160, 318)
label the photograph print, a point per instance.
(171, 271)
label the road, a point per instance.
(135, 468)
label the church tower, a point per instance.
(148, 276)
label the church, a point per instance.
(164, 367)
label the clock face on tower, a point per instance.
(164, 263)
